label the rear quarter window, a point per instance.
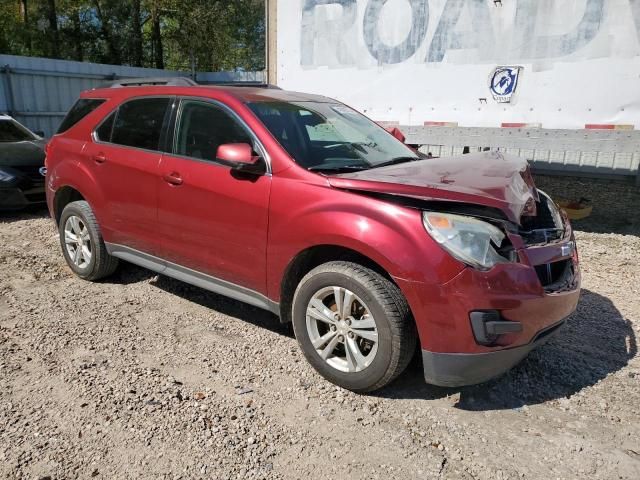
(103, 132)
(80, 109)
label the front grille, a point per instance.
(556, 276)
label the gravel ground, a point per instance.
(142, 376)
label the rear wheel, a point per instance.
(353, 325)
(82, 244)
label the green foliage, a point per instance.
(210, 35)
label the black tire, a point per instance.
(394, 323)
(101, 264)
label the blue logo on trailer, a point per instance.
(504, 82)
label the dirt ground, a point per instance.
(141, 376)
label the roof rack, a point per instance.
(243, 84)
(150, 81)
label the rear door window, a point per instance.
(80, 109)
(138, 123)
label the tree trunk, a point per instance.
(77, 34)
(112, 50)
(24, 9)
(136, 34)
(156, 37)
(53, 27)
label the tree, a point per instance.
(53, 27)
(136, 33)
(24, 7)
(211, 34)
(156, 35)
(113, 52)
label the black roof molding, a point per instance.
(151, 81)
(180, 82)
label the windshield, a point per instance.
(11, 131)
(330, 136)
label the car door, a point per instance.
(213, 220)
(124, 157)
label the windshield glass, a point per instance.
(330, 136)
(11, 131)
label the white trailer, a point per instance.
(557, 81)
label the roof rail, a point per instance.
(243, 84)
(150, 81)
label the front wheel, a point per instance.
(353, 325)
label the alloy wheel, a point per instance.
(342, 329)
(77, 241)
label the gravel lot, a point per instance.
(142, 376)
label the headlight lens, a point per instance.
(466, 238)
(6, 176)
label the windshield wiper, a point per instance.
(395, 161)
(337, 168)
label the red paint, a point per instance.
(395, 131)
(440, 124)
(248, 230)
(607, 126)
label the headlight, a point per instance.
(6, 176)
(468, 239)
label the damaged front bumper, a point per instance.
(460, 369)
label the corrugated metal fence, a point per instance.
(598, 153)
(39, 91)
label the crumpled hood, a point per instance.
(22, 154)
(490, 179)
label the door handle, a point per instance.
(100, 158)
(173, 178)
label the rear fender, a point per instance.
(75, 174)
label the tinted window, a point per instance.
(11, 131)
(139, 123)
(203, 127)
(80, 109)
(103, 132)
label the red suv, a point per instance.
(300, 205)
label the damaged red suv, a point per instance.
(300, 205)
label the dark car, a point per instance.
(300, 205)
(21, 166)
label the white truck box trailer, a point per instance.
(556, 81)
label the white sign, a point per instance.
(413, 61)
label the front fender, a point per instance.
(391, 235)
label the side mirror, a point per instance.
(240, 157)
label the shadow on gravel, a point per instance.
(21, 215)
(224, 305)
(129, 274)
(595, 342)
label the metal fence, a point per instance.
(600, 153)
(38, 91)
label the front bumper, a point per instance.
(518, 292)
(17, 198)
(459, 369)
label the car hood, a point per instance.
(490, 179)
(22, 154)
